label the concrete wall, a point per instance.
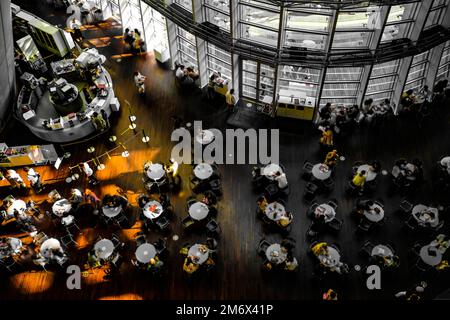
(7, 70)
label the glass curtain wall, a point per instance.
(259, 22)
(444, 64)
(155, 28)
(382, 80)
(218, 13)
(187, 48)
(436, 14)
(131, 15)
(110, 8)
(307, 28)
(219, 60)
(298, 81)
(400, 21)
(186, 4)
(416, 74)
(341, 85)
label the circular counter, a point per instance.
(72, 128)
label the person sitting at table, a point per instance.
(414, 293)
(445, 163)
(93, 261)
(327, 137)
(262, 203)
(330, 295)
(92, 198)
(155, 265)
(180, 73)
(189, 266)
(285, 220)
(359, 179)
(441, 242)
(76, 197)
(320, 249)
(291, 263)
(280, 178)
(331, 158)
(391, 261)
(288, 244)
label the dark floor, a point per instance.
(239, 274)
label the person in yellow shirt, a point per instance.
(331, 158)
(359, 179)
(230, 100)
(327, 137)
(320, 249)
(189, 266)
(285, 220)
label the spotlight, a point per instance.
(90, 149)
(125, 154)
(112, 138)
(132, 118)
(145, 138)
(132, 126)
(101, 167)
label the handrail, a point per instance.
(392, 50)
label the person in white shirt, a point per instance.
(139, 80)
(75, 25)
(445, 162)
(89, 174)
(180, 74)
(281, 179)
(34, 178)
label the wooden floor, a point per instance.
(238, 274)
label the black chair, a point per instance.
(216, 188)
(336, 224)
(262, 247)
(121, 219)
(117, 243)
(310, 191)
(307, 170)
(333, 203)
(10, 264)
(160, 246)
(212, 228)
(271, 192)
(328, 184)
(367, 249)
(212, 243)
(364, 225)
(312, 208)
(411, 223)
(67, 241)
(187, 222)
(190, 202)
(422, 266)
(163, 223)
(140, 240)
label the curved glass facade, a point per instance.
(324, 51)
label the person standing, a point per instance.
(92, 180)
(230, 100)
(75, 25)
(139, 81)
(35, 179)
(211, 84)
(128, 38)
(105, 117)
(98, 122)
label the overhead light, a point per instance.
(101, 167)
(90, 149)
(125, 154)
(112, 138)
(132, 118)
(145, 138)
(132, 126)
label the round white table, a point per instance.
(325, 210)
(309, 43)
(332, 259)
(156, 171)
(203, 171)
(321, 171)
(430, 255)
(204, 137)
(199, 256)
(382, 250)
(61, 207)
(153, 209)
(420, 213)
(48, 246)
(111, 212)
(198, 211)
(274, 211)
(17, 205)
(145, 252)
(370, 175)
(104, 248)
(276, 254)
(372, 215)
(270, 170)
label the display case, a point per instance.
(26, 155)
